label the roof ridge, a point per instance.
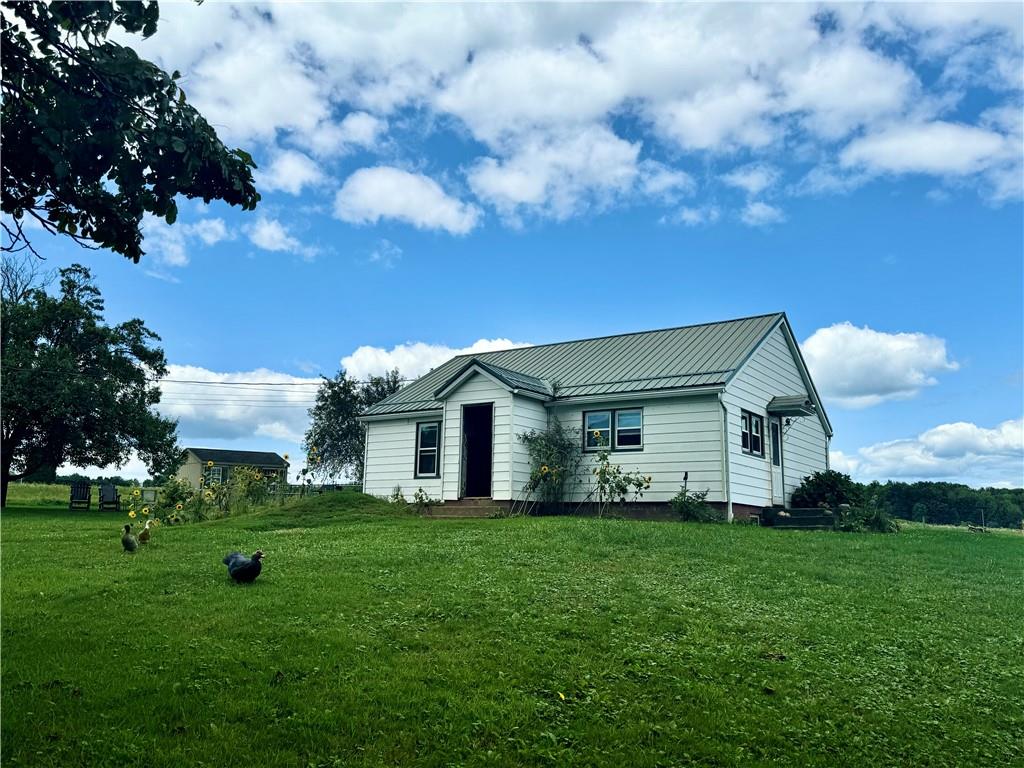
(617, 335)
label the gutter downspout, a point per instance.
(725, 458)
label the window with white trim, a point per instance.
(428, 440)
(752, 433)
(629, 429)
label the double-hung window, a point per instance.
(629, 429)
(619, 430)
(428, 441)
(752, 433)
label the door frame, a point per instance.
(463, 453)
(777, 472)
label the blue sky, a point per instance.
(436, 177)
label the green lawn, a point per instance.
(378, 639)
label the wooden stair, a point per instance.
(808, 519)
(466, 508)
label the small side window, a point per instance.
(428, 438)
(752, 433)
(776, 445)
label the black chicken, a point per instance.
(244, 569)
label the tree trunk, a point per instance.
(5, 480)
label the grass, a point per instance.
(51, 494)
(378, 639)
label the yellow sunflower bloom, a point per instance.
(179, 506)
(145, 510)
(132, 514)
(136, 493)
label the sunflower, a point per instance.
(131, 514)
(145, 510)
(136, 493)
(179, 506)
(209, 464)
(544, 469)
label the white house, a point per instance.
(729, 403)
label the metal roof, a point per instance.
(673, 358)
(792, 405)
(248, 458)
(511, 379)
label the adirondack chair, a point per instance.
(109, 497)
(81, 495)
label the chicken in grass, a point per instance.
(244, 569)
(128, 540)
(144, 533)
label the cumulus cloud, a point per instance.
(695, 216)
(754, 178)
(521, 81)
(937, 148)
(759, 214)
(413, 359)
(170, 245)
(961, 452)
(860, 367)
(384, 192)
(271, 235)
(289, 171)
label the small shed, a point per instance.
(214, 465)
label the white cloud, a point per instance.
(413, 359)
(563, 176)
(693, 217)
(289, 171)
(272, 235)
(754, 178)
(383, 192)
(937, 148)
(960, 452)
(760, 214)
(210, 231)
(860, 367)
(703, 78)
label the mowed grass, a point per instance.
(380, 639)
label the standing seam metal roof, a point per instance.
(672, 358)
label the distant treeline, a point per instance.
(76, 477)
(948, 503)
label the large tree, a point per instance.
(76, 390)
(93, 136)
(336, 439)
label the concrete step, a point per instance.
(461, 509)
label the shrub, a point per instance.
(247, 487)
(827, 489)
(555, 457)
(871, 517)
(692, 506)
(422, 502)
(396, 496)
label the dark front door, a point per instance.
(477, 443)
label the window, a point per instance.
(214, 474)
(617, 430)
(776, 447)
(428, 435)
(752, 433)
(597, 429)
(629, 429)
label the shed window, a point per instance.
(597, 428)
(214, 474)
(752, 433)
(629, 429)
(427, 442)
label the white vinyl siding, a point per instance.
(679, 435)
(475, 390)
(770, 372)
(527, 415)
(391, 459)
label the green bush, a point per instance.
(827, 489)
(692, 506)
(870, 517)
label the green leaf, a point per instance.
(178, 144)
